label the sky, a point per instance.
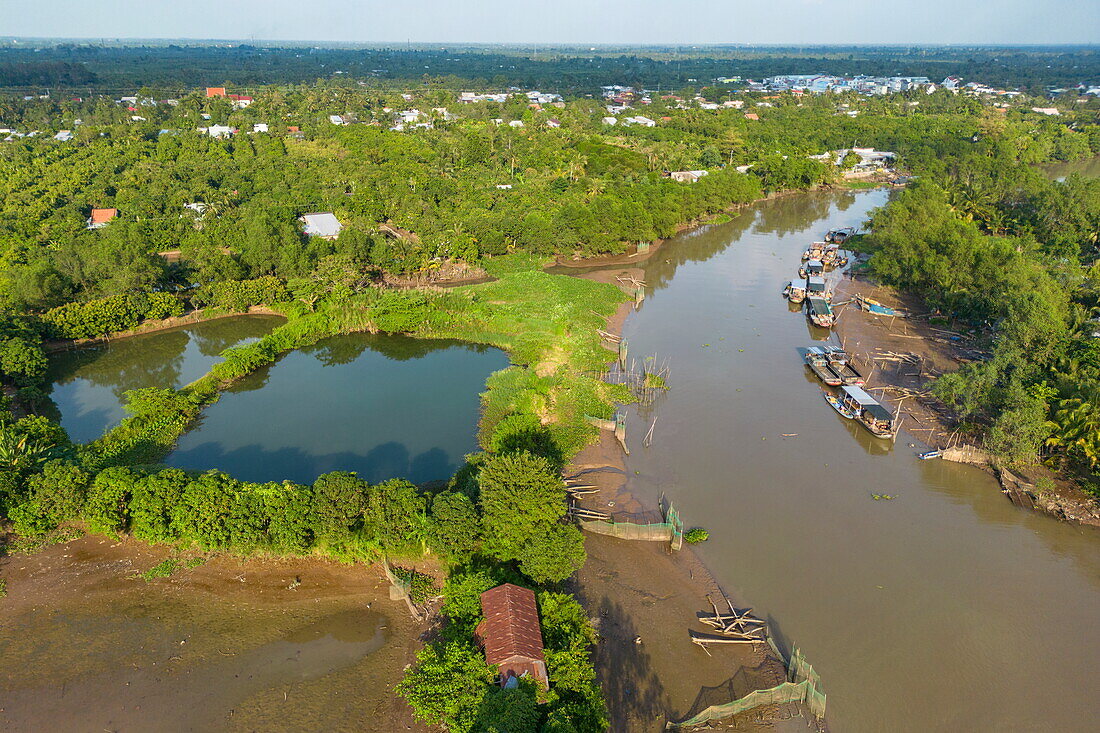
(530, 22)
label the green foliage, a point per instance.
(239, 295)
(422, 587)
(394, 516)
(447, 685)
(522, 503)
(162, 569)
(107, 315)
(455, 529)
(696, 535)
(106, 508)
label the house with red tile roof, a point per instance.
(511, 635)
(215, 91)
(100, 217)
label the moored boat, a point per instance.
(816, 288)
(815, 251)
(811, 267)
(820, 313)
(839, 236)
(841, 365)
(795, 291)
(837, 405)
(869, 412)
(818, 363)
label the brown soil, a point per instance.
(260, 644)
(936, 350)
(643, 598)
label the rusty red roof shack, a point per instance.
(511, 635)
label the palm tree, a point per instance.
(1078, 431)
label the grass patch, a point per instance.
(162, 569)
(696, 535)
(31, 545)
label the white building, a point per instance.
(639, 120)
(323, 224)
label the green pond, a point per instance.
(88, 384)
(382, 405)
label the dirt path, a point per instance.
(264, 644)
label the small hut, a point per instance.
(511, 635)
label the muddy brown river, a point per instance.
(944, 609)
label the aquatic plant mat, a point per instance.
(803, 687)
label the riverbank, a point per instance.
(903, 356)
(637, 257)
(231, 644)
(643, 598)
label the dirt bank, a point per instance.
(644, 598)
(261, 644)
(904, 355)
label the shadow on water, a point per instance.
(384, 406)
(88, 385)
(256, 463)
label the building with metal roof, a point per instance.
(322, 224)
(511, 634)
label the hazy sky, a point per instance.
(566, 21)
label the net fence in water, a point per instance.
(803, 686)
(671, 530)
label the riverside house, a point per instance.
(511, 636)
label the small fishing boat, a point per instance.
(839, 236)
(841, 365)
(869, 412)
(876, 307)
(815, 288)
(928, 455)
(820, 313)
(795, 291)
(811, 267)
(818, 363)
(837, 405)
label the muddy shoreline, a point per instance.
(643, 598)
(903, 356)
(231, 644)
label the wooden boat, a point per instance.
(869, 412)
(834, 256)
(818, 363)
(873, 306)
(815, 251)
(820, 313)
(795, 291)
(811, 267)
(840, 364)
(816, 288)
(837, 405)
(839, 236)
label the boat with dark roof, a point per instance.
(869, 412)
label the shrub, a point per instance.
(100, 317)
(696, 535)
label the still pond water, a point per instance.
(89, 383)
(946, 609)
(385, 406)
